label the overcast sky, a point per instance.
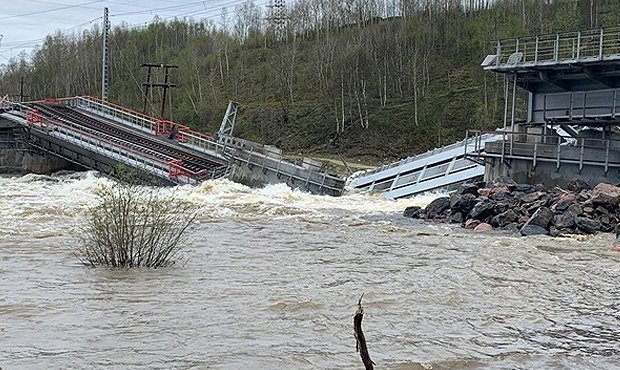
(25, 23)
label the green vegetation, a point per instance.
(360, 78)
(134, 226)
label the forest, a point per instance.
(368, 79)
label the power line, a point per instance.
(50, 10)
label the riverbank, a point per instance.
(527, 209)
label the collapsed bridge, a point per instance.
(102, 136)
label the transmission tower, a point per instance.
(277, 18)
(105, 62)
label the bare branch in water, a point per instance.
(360, 345)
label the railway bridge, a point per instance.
(103, 136)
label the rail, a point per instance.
(569, 47)
(105, 144)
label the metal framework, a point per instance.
(278, 18)
(105, 63)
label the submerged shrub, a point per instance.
(134, 226)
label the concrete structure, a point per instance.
(572, 85)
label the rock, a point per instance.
(483, 228)
(541, 217)
(436, 207)
(501, 207)
(501, 195)
(504, 218)
(525, 188)
(533, 207)
(471, 224)
(563, 202)
(583, 196)
(528, 230)
(457, 218)
(485, 192)
(556, 232)
(601, 210)
(605, 194)
(587, 225)
(504, 181)
(589, 210)
(575, 209)
(532, 197)
(564, 221)
(481, 184)
(468, 188)
(482, 210)
(577, 185)
(412, 211)
(463, 203)
(513, 227)
(606, 223)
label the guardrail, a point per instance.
(589, 45)
(552, 148)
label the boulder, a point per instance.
(563, 202)
(577, 185)
(483, 228)
(528, 230)
(532, 197)
(606, 222)
(565, 220)
(485, 192)
(605, 194)
(437, 206)
(457, 218)
(471, 224)
(412, 211)
(525, 188)
(504, 219)
(501, 195)
(463, 203)
(587, 225)
(482, 210)
(541, 217)
(468, 188)
(504, 181)
(575, 209)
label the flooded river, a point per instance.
(271, 280)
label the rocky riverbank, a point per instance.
(528, 209)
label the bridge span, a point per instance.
(102, 136)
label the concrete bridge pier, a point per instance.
(17, 157)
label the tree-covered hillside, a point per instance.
(371, 78)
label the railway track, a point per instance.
(135, 141)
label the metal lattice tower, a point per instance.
(277, 18)
(105, 63)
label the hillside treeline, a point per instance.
(375, 78)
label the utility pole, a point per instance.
(165, 85)
(147, 84)
(105, 63)
(21, 90)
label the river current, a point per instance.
(271, 279)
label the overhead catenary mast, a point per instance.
(105, 63)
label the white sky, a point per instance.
(25, 23)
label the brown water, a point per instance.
(272, 279)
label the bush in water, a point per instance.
(134, 226)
